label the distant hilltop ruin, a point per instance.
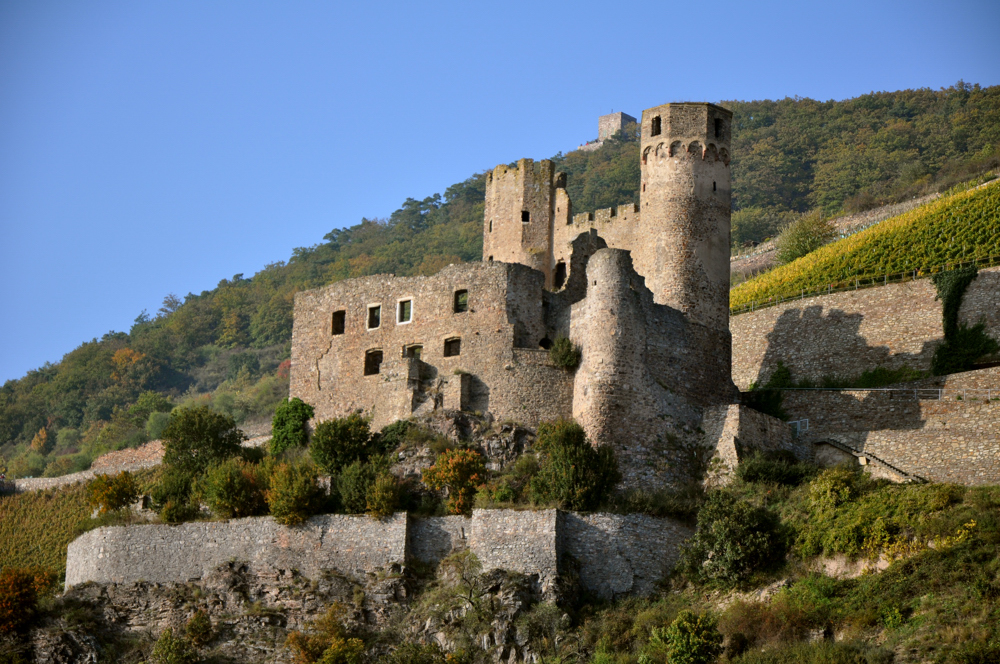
(607, 126)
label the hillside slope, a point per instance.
(960, 228)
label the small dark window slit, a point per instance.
(525, 216)
(718, 128)
(713, 187)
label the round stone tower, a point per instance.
(685, 209)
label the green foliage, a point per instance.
(235, 488)
(288, 427)
(819, 653)
(155, 425)
(690, 639)
(354, 485)
(199, 628)
(172, 495)
(572, 473)
(757, 224)
(565, 354)
(957, 228)
(462, 472)
(393, 435)
(197, 437)
(295, 494)
(804, 236)
(963, 345)
(775, 467)
(108, 493)
(734, 541)
(326, 641)
(170, 649)
(382, 497)
(340, 442)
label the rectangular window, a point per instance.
(654, 129)
(337, 324)
(461, 301)
(404, 311)
(374, 316)
(718, 127)
(525, 216)
(373, 362)
(452, 347)
(413, 351)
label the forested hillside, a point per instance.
(229, 346)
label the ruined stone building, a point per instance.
(643, 291)
(607, 126)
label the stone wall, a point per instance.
(845, 334)
(354, 545)
(621, 554)
(952, 439)
(732, 431)
(504, 315)
(614, 554)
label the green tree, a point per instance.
(235, 488)
(340, 442)
(733, 540)
(295, 494)
(288, 427)
(804, 236)
(572, 472)
(690, 639)
(197, 437)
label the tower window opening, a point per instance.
(491, 225)
(404, 311)
(644, 186)
(374, 316)
(461, 301)
(490, 259)
(718, 127)
(413, 351)
(452, 347)
(373, 362)
(337, 322)
(654, 129)
(559, 278)
(525, 216)
(713, 186)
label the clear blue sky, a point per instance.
(153, 147)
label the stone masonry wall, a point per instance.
(734, 430)
(504, 314)
(614, 554)
(845, 334)
(163, 554)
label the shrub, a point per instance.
(199, 628)
(288, 427)
(156, 423)
(393, 435)
(383, 496)
(832, 488)
(172, 650)
(804, 236)
(573, 473)
(565, 354)
(110, 493)
(462, 472)
(326, 641)
(197, 437)
(775, 467)
(733, 540)
(235, 488)
(690, 639)
(172, 495)
(18, 599)
(340, 442)
(294, 494)
(353, 485)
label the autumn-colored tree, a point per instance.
(124, 360)
(19, 591)
(462, 472)
(40, 443)
(110, 493)
(326, 641)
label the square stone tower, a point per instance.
(609, 125)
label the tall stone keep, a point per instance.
(520, 206)
(685, 209)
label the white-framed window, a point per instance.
(374, 318)
(404, 311)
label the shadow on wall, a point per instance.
(814, 346)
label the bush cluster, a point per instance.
(288, 426)
(572, 473)
(107, 493)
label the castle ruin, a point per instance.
(643, 291)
